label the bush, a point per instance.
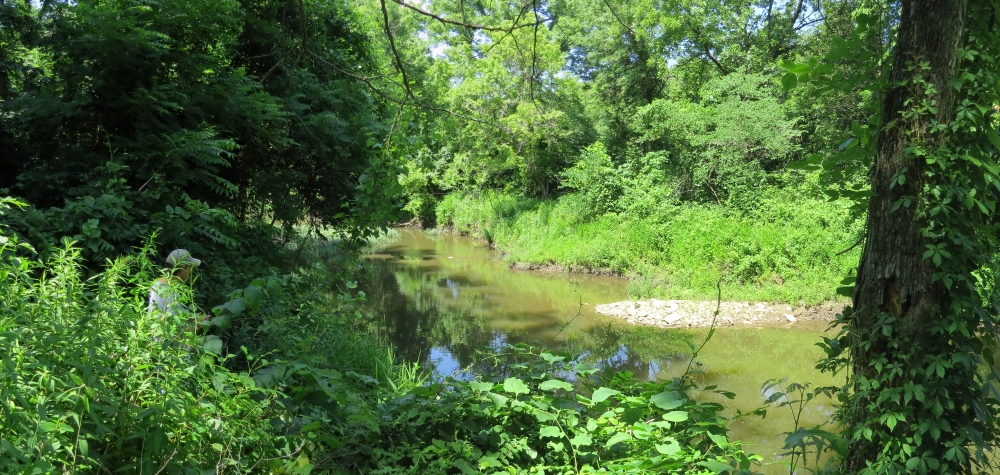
(526, 418)
(595, 180)
(92, 382)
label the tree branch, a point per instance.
(708, 53)
(704, 46)
(367, 80)
(798, 11)
(612, 10)
(462, 23)
(524, 9)
(395, 52)
(861, 240)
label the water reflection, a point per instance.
(440, 299)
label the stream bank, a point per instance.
(442, 299)
(675, 313)
(778, 252)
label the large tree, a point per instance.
(922, 324)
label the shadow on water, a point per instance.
(440, 299)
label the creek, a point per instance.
(439, 298)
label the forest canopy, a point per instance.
(120, 118)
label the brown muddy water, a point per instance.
(439, 298)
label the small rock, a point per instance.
(632, 312)
(658, 303)
(788, 308)
(673, 317)
(791, 318)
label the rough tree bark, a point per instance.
(893, 276)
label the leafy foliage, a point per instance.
(534, 420)
(210, 122)
(920, 397)
(103, 385)
(779, 252)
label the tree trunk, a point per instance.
(893, 276)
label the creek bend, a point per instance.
(439, 298)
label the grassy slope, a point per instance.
(784, 251)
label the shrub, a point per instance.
(92, 382)
(527, 418)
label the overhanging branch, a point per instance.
(463, 24)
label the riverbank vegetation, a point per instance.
(784, 251)
(680, 142)
(673, 155)
(93, 382)
(245, 132)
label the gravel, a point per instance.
(692, 313)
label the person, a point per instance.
(163, 295)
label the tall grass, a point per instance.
(784, 250)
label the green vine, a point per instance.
(920, 394)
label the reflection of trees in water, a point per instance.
(642, 351)
(417, 308)
(406, 303)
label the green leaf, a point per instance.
(235, 306)
(716, 466)
(719, 440)
(465, 467)
(789, 81)
(212, 344)
(581, 439)
(669, 448)
(218, 447)
(992, 136)
(481, 386)
(550, 431)
(603, 393)
(553, 384)
(618, 438)
(311, 426)
(253, 295)
(667, 400)
(795, 67)
(676, 416)
(515, 386)
(499, 400)
(84, 447)
(489, 462)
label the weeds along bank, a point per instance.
(280, 381)
(91, 382)
(785, 247)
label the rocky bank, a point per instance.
(691, 313)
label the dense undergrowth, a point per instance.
(281, 381)
(786, 248)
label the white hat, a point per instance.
(181, 257)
